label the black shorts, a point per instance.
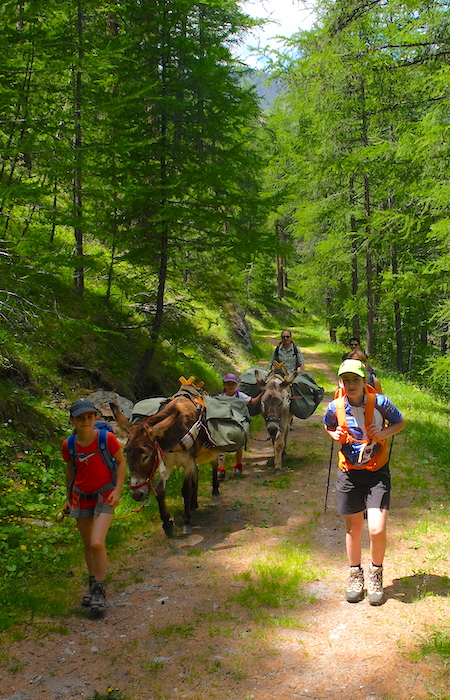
(359, 489)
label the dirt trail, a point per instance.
(176, 631)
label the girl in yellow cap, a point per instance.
(361, 421)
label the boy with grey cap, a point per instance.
(92, 493)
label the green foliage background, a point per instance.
(150, 209)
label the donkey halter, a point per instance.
(148, 480)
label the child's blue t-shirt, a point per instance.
(354, 452)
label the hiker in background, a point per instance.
(93, 491)
(230, 388)
(361, 420)
(372, 378)
(354, 345)
(289, 353)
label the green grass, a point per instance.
(438, 643)
(280, 483)
(109, 694)
(426, 434)
(277, 581)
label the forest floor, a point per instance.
(174, 628)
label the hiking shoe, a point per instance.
(86, 599)
(375, 591)
(221, 473)
(98, 600)
(238, 469)
(355, 585)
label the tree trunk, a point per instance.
(397, 317)
(110, 275)
(144, 364)
(356, 326)
(78, 166)
(280, 262)
(444, 341)
(331, 328)
(370, 340)
(20, 123)
(54, 209)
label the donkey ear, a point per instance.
(156, 431)
(289, 379)
(259, 380)
(119, 416)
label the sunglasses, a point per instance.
(285, 337)
(353, 345)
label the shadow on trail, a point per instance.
(410, 589)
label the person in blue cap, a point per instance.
(231, 388)
(93, 491)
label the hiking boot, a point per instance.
(86, 599)
(375, 591)
(221, 473)
(355, 585)
(98, 600)
(238, 469)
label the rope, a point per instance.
(122, 517)
(259, 439)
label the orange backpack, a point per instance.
(382, 457)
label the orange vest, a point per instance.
(382, 457)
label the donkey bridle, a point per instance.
(147, 482)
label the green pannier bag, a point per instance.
(227, 421)
(249, 386)
(306, 395)
(147, 407)
(227, 418)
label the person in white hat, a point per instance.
(230, 388)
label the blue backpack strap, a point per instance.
(71, 446)
(106, 455)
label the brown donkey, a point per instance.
(276, 410)
(172, 437)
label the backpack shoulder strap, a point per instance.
(296, 353)
(368, 411)
(71, 446)
(105, 454)
(340, 411)
(370, 407)
(277, 353)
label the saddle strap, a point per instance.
(190, 437)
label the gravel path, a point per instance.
(174, 628)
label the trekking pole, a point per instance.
(390, 450)
(329, 474)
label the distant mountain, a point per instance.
(267, 89)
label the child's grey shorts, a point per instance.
(359, 489)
